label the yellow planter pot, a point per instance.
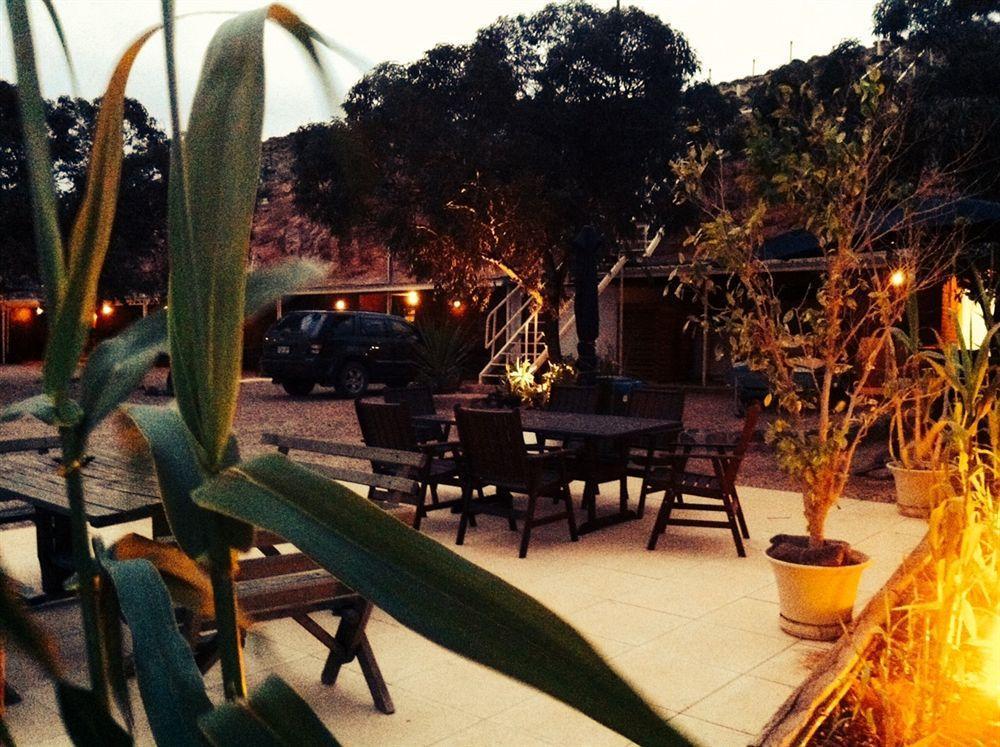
(816, 602)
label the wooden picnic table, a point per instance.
(116, 490)
(593, 431)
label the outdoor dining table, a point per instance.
(592, 431)
(116, 491)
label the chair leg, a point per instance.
(508, 500)
(570, 516)
(738, 506)
(421, 511)
(373, 677)
(733, 525)
(623, 493)
(466, 512)
(434, 494)
(662, 516)
(640, 509)
(529, 521)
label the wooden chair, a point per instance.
(495, 454)
(719, 488)
(573, 398)
(291, 585)
(657, 403)
(389, 426)
(420, 399)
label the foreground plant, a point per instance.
(212, 498)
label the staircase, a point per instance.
(512, 328)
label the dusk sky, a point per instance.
(727, 35)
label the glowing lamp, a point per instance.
(107, 309)
(412, 298)
(456, 305)
(39, 311)
(22, 314)
(898, 278)
(340, 305)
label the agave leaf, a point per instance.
(272, 716)
(117, 366)
(57, 24)
(267, 285)
(48, 238)
(91, 233)
(211, 206)
(40, 405)
(109, 615)
(431, 589)
(87, 719)
(179, 472)
(171, 686)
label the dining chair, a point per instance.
(494, 453)
(420, 399)
(390, 426)
(656, 403)
(717, 489)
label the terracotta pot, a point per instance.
(816, 602)
(917, 490)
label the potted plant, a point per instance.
(917, 437)
(829, 173)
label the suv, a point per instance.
(344, 349)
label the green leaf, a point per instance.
(86, 719)
(109, 617)
(91, 232)
(431, 589)
(117, 366)
(210, 210)
(179, 473)
(20, 629)
(273, 715)
(48, 238)
(267, 285)
(40, 405)
(57, 24)
(171, 686)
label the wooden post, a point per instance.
(704, 337)
(621, 324)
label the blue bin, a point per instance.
(613, 393)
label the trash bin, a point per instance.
(613, 393)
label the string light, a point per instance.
(898, 278)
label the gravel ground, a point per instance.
(265, 407)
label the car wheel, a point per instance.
(298, 387)
(352, 379)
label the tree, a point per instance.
(136, 261)
(842, 185)
(490, 157)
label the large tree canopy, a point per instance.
(489, 157)
(136, 261)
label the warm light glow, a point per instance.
(456, 305)
(971, 323)
(898, 278)
(107, 309)
(340, 305)
(39, 311)
(412, 298)
(22, 314)
(95, 319)
(990, 676)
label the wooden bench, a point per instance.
(291, 585)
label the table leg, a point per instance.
(54, 543)
(623, 514)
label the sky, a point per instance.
(732, 38)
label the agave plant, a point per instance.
(212, 498)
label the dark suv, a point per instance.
(344, 349)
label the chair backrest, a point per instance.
(419, 397)
(493, 445)
(386, 425)
(40, 444)
(573, 398)
(658, 403)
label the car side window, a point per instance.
(399, 329)
(372, 327)
(340, 325)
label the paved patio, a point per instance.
(691, 624)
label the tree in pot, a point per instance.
(833, 176)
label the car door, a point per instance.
(378, 357)
(404, 341)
